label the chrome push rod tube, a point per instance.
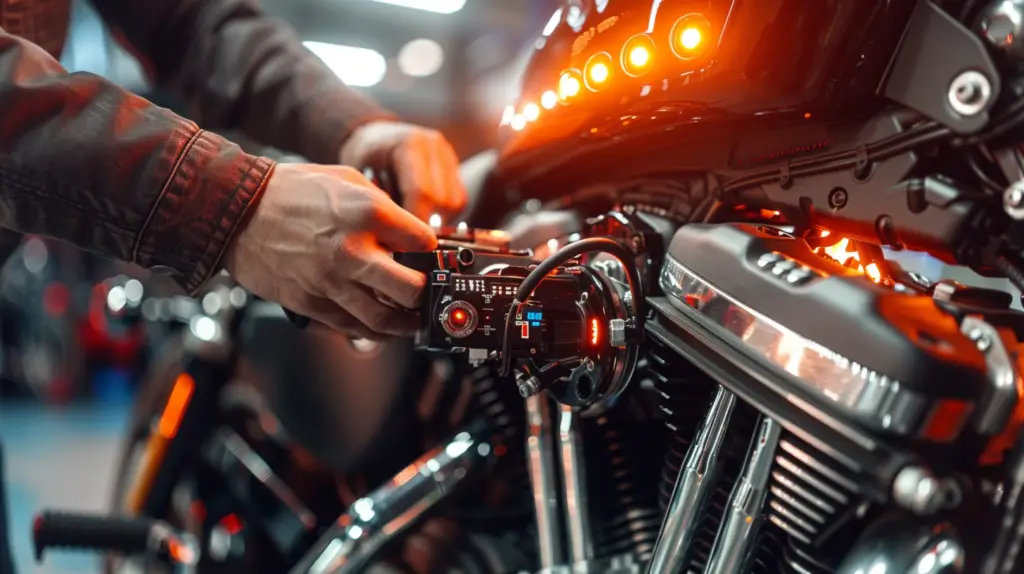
(577, 516)
(693, 488)
(541, 461)
(742, 518)
(359, 534)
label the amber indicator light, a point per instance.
(595, 331)
(598, 71)
(638, 55)
(570, 84)
(691, 36)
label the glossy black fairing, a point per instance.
(766, 65)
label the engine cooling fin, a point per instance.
(812, 511)
(624, 454)
(812, 501)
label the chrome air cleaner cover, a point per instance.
(893, 361)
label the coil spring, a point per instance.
(622, 481)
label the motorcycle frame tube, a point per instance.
(693, 487)
(372, 521)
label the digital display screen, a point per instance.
(534, 316)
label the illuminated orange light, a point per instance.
(638, 55)
(844, 252)
(873, 272)
(549, 99)
(181, 553)
(689, 36)
(531, 112)
(177, 402)
(594, 331)
(569, 85)
(599, 71)
(518, 122)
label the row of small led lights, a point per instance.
(687, 40)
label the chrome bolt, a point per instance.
(969, 93)
(916, 490)
(589, 364)
(981, 339)
(528, 387)
(1013, 200)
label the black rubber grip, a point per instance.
(129, 536)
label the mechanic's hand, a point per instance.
(318, 242)
(423, 161)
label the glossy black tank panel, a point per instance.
(766, 64)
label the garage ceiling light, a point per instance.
(438, 6)
(421, 58)
(358, 67)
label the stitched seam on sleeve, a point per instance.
(256, 195)
(167, 185)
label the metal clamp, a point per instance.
(1001, 400)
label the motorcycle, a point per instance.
(689, 284)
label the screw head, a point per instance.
(969, 93)
(837, 198)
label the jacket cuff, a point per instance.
(212, 187)
(330, 122)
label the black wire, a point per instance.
(561, 257)
(984, 178)
(1012, 271)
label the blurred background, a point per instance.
(76, 331)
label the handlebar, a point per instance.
(123, 535)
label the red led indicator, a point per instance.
(525, 327)
(595, 332)
(459, 318)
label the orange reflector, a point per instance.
(174, 410)
(156, 447)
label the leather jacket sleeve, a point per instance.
(240, 69)
(84, 161)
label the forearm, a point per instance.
(84, 161)
(240, 69)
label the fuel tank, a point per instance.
(673, 84)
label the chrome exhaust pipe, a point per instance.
(693, 488)
(541, 460)
(577, 511)
(743, 516)
(360, 533)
